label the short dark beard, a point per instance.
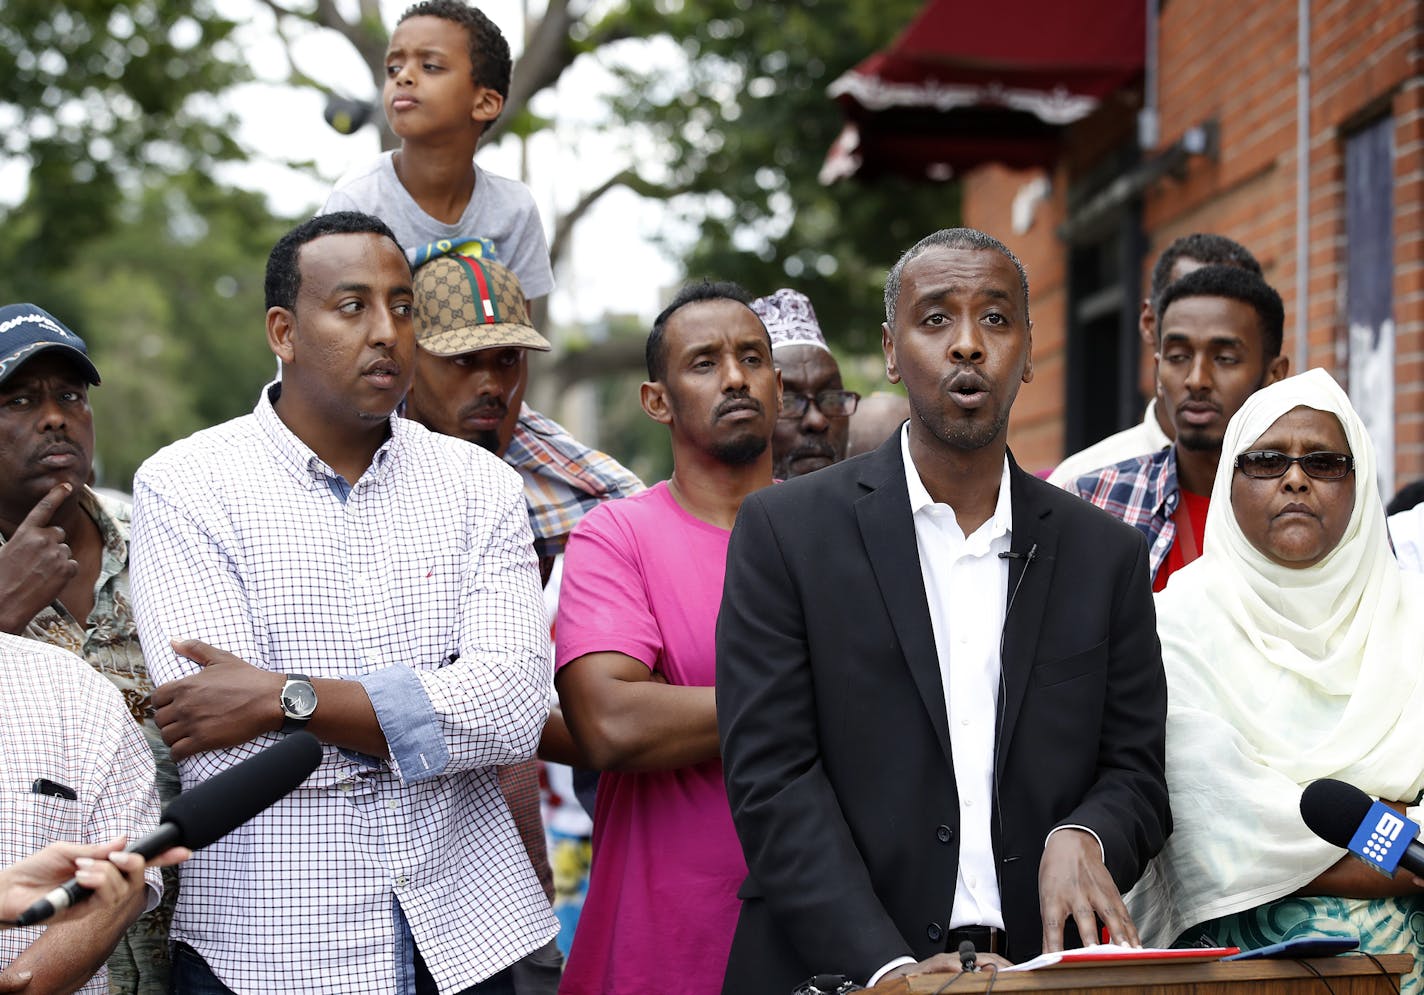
(488, 439)
(740, 451)
(1198, 443)
(965, 437)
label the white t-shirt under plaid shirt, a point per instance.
(419, 581)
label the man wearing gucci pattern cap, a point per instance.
(473, 338)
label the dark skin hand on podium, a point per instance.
(1072, 881)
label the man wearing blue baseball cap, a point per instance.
(64, 549)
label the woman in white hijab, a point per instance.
(1294, 650)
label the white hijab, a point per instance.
(1277, 677)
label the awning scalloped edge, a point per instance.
(1058, 106)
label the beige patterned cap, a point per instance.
(464, 304)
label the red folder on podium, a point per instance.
(1111, 954)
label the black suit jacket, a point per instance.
(835, 740)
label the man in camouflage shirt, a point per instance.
(64, 552)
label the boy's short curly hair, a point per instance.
(490, 61)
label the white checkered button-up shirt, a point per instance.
(64, 723)
(422, 584)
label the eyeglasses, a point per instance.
(1264, 464)
(832, 403)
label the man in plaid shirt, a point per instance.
(1219, 332)
(473, 337)
(1155, 431)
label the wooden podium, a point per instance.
(1349, 974)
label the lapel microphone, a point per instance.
(1026, 557)
(1003, 685)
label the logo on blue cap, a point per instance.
(26, 330)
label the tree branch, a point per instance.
(281, 12)
(366, 34)
(563, 227)
(547, 53)
(616, 355)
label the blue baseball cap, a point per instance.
(26, 331)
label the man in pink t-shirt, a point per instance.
(636, 658)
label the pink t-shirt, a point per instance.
(644, 578)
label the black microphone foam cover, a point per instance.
(209, 811)
(1333, 810)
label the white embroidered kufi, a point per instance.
(789, 319)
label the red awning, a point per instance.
(970, 82)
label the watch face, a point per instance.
(298, 700)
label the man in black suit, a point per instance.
(939, 686)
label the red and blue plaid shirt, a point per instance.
(563, 478)
(1142, 492)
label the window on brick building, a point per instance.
(1369, 284)
(1104, 291)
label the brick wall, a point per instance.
(1036, 427)
(1236, 62)
(1408, 111)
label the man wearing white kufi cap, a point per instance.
(814, 425)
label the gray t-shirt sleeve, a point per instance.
(371, 187)
(530, 260)
(512, 220)
(338, 200)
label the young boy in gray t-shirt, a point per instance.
(447, 76)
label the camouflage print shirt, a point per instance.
(109, 643)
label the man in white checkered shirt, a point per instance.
(321, 563)
(73, 766)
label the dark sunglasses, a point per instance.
(1267, 463)
(832, 403)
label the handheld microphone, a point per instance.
(968, 960)
(1343, 815)
(207, 812)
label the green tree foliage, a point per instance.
(99, 95)
(747, 125)
(170, 302)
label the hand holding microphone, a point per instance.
(206, 813)
(101, 867)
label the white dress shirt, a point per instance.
(1406, 531)
(966, 585)
(67, 725)
(420, 582)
